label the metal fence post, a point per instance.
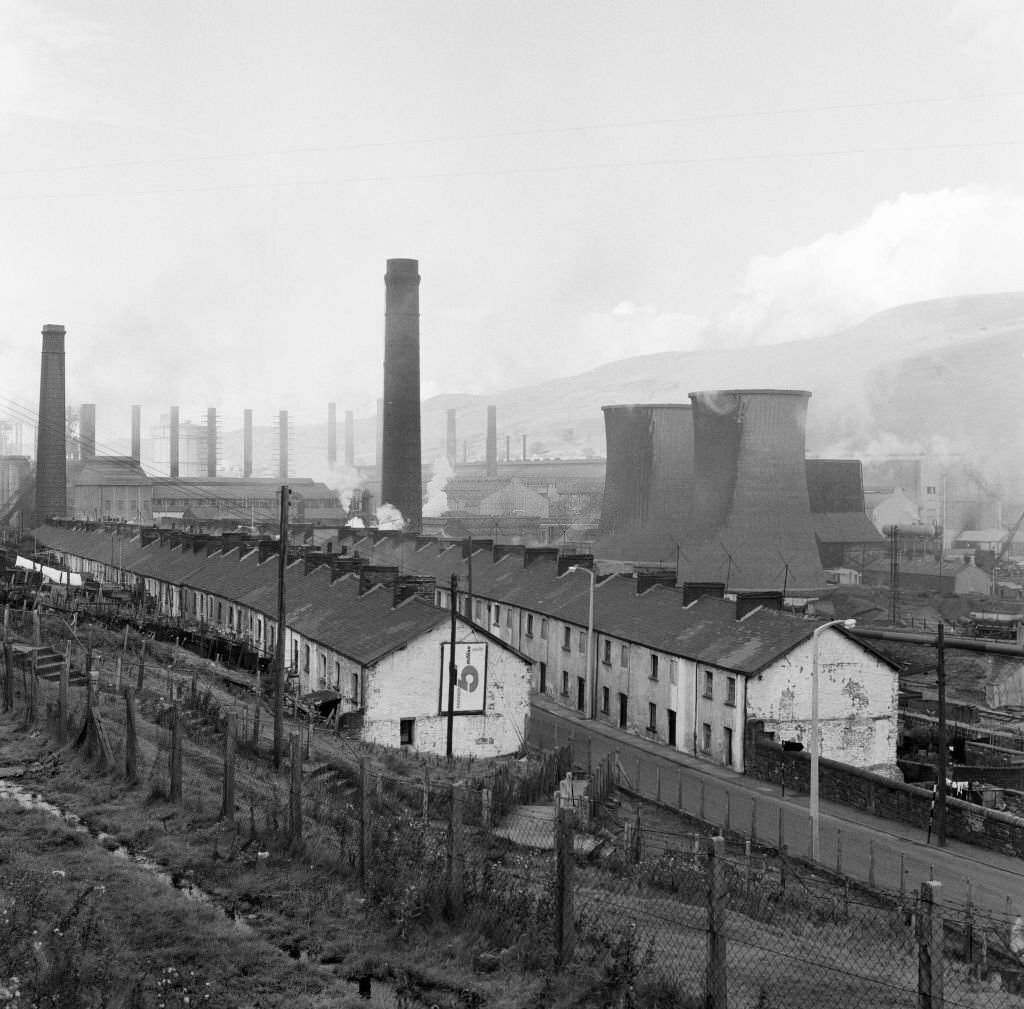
(929, 951)
(131, 744)
(715, 990)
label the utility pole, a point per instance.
(469, 578)
(940, 763)
(451, 670)
(279, 678)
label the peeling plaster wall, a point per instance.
(857, 695)
(407, 684)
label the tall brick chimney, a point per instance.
(51, 452)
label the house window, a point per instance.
(565, 683)
(566, 638)
(406, 731)
(652, 717)
(337, 676)
(728, 747)
(705, 738)
(606, 700)
(529, 625)
(709, 684)
(478, 609)
(654, 667)
(323, 671)
(673, 671)
(355, 684)
(220, 613)
(305, 658)
(606, 658)
(497, 615)
(730, 691)
(581, 645)
(624, 656)
(544, 628)
(508, 617)
(543, 677)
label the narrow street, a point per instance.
(864, 847)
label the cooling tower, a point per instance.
(51, 457)
(401, 473)
(647, 481)
(492, 441)
(350, 438)
(174, 446)
(750, 519)
(247, 443)
(211, 442)
(137, 432)
(87, 431)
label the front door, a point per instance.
(623, 710)
(671, 727)
(581, 693)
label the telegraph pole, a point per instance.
(451, 670)
(940, 763)
(279, 677)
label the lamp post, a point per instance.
(815, 742)
(589, 677)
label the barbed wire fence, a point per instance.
(647, 916)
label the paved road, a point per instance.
(861, 846)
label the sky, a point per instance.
(205, 194)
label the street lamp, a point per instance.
(815, 742)
(589, 678)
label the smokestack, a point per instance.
(492, 441)
(508, 448)
(332, 433)
(401, 474)
(211, 442)
(51, 451)
(750, 518)
(87, 431)
(648, 475)
(174, 442)
(350, 439)
(524, 448)
(247, 443)
(380, 436)
(282, 431)
(137, 433)
(450, 444)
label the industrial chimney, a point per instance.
(492, 441)
(174, 443)
(87, 431)
(211, 442)
(247, 443)
(332, 433)
(137, 433)
(750, 520)
(350, 439)
(282, 456)
(401, 474)
(647, 481)
(51, 454)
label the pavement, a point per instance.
(886, 853)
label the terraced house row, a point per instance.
(684, 666)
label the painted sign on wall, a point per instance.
(470, 676)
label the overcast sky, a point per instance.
(206, 193)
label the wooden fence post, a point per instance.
(227, 805)
(142, 667)
(715, 990)
(365, 824)
(131, 742)
(295, 792)
(565, 931)
(486, 807)
(8, 676)
(456, 853)
(63, 690)
(929, 950)
(176, 788)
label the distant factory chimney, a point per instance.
(492, 441)
(380, 436)
(648, 475)
(750, 520)
(87, 431)
(350, 439)
(282, 431)
(332, 433)
(174, 442)
(51, 451)
(401, 474)
(136, 432)
(211, 442)
(247, 443)
(450, 443)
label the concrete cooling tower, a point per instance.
(647, 481)
(750, 521)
